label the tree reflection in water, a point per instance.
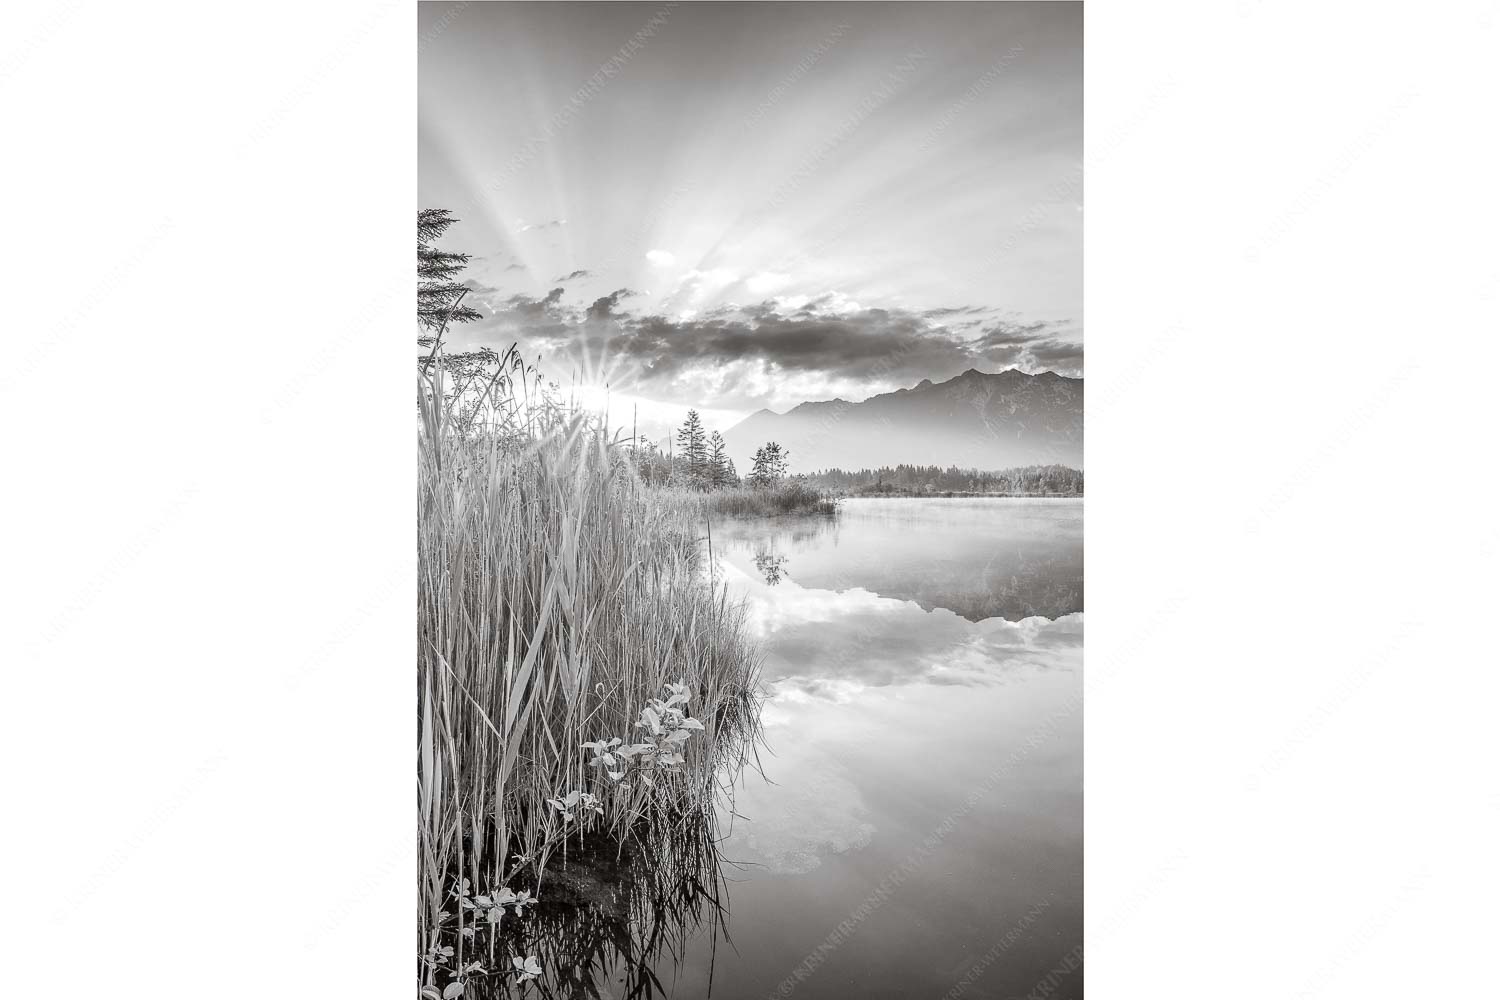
(771, 566)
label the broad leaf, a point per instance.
(653, 721)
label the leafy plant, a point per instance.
(527, 969)
(558, 595)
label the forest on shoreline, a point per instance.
(932, 480)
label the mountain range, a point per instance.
(975, 420)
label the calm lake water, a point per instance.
(924, 833)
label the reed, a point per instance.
(790, 496)
(559, 599)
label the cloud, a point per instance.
(813, 810)
(661, 258)
(524, 305)
(770, 352)
(549, 224)
(518, 317)
(481, 289)
(1035, 346)
(516, 267)
(603, 307)
(949, 311)
(1004, 333)
(862, 345)
(580, 273)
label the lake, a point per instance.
(921, 833)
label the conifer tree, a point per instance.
(693, 445)
(719, 464)
(438, 293)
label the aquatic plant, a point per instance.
(787, 496)
(526, 968)
(558, 598)
(611, 914)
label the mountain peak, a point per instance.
(981, 420)
(975, 375)
(837, 402)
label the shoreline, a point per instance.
(954, 495)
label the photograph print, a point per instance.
(750, 500)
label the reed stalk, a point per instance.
(557, 595)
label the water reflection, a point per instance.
(924, 672)
(770, 566)
(609, 923)
(922, 825)
(971, 556)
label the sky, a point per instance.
(737, 206)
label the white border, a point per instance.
(1292, 293)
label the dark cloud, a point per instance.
(1003, 333)
(951, 311)
(871, 344)
(1057, 355)
(580, 273)
(520, 317)
(1035, 346)
(515, 267)
(525, 305)
(603, 308)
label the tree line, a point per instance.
(1031, 480)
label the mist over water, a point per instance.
(924, 817)
(977, 557)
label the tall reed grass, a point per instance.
(790, 496)
(557, 597)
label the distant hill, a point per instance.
(974, 421)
